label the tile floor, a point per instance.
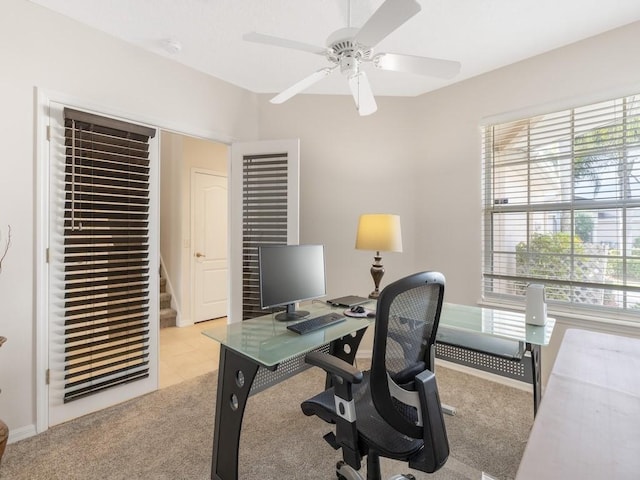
(185, 353)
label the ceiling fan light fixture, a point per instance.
(348, 66)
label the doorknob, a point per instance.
(198, 255)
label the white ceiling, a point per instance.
(482, 34)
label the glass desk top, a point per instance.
(268, 342)
(497, 323)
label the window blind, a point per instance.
(264, 206)
(561, 206)
(106, 253)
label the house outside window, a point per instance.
(561, 207)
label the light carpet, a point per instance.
(168, 435)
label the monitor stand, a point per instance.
(291, 313)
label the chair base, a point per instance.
(345, 472)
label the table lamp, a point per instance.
(380, 232)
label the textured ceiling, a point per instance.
(481, 34)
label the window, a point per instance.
(561, 207)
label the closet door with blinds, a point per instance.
(264, 203)
(103, 262)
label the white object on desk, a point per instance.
(588, 424)
(536, 312)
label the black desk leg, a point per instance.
(235, 376)
(345, 348)
(536, 374)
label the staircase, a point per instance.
(167, 314)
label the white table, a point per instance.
(588, 424)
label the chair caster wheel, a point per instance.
(339, 465)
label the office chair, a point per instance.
(393, 410)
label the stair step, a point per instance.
(163, 284)
(165, 300)
(167, 317)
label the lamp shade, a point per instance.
(380, 232)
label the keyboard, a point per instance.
(316, 323)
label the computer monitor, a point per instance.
(290, 274)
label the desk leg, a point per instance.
(536, 375)
(345, 349)
(235, 376)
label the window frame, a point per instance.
(491, 207)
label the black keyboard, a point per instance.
(316, 323)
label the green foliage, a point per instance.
(548, 256)
(584, 226)
(600, 148)
(614, 265)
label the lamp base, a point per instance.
(377, 271)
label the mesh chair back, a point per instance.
(406, 325)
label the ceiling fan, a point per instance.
(348, 48)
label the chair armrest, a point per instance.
(334, 366)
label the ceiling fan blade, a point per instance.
(302, 85)
(433, 67)
(390, 15)
(362, 94)
(283, 42)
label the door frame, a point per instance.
(192, 267)
(41, 229)
(59, 411)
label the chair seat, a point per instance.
(374, 433)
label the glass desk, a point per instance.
(494, 341)
(497, 323)
(267, 341)
(257, 353)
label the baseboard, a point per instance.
(17, 434)
(364, 354)
(183, 323)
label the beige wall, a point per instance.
(351, 165)
(45, 51)
(421, 158)
(597, 68)
(171, 193)
(417, 157)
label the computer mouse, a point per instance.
(371, 314)
(357, 309)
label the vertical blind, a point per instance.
(106, 253)
(562, 206)
(264, 207)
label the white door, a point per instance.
(103, 250)
(209, 253)
(264, 204)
